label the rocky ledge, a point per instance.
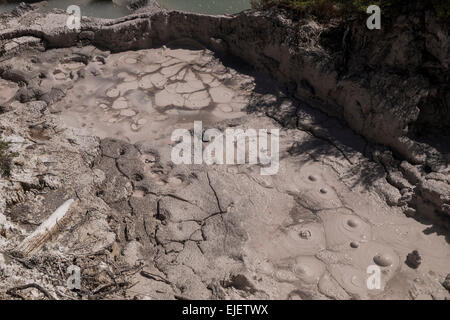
(88, 115)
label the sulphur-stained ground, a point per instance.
(92, 126)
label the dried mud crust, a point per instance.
(142, 227)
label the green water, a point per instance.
(207, 6)
(107, 9)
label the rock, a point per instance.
(132, 253)
(413, 260)
(446, 283)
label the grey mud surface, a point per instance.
(94, 126)
(221, 231)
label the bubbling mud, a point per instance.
(342, 230)
(308, 269)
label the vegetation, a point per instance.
(6, 157)
(326, 9)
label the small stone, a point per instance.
(413, 260)
(354, 245)
(446, 283)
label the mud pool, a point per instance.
(308, 232)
